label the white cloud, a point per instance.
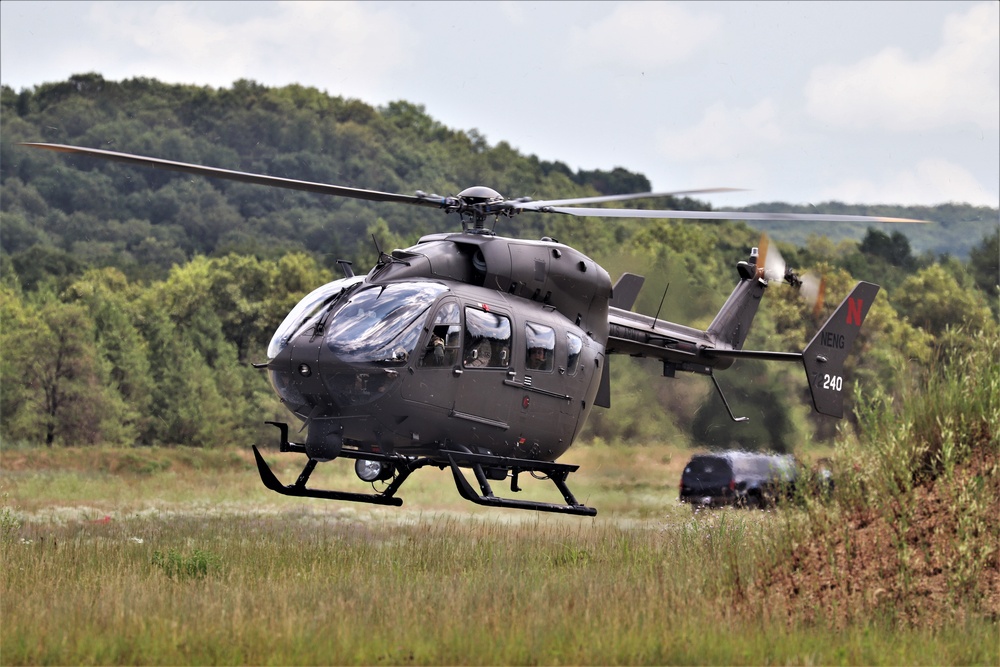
(275, 43)
(958, 83)
(929, 182)
(725, 133)
(644, 35)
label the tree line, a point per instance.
(98, 358)
(133, 301)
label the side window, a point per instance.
(487, 340)
(574, 345)
(446, 338)
(540, 341)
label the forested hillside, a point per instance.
(132, 300)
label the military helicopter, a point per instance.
(472, 351)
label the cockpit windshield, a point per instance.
(382, 322)
(306, 311)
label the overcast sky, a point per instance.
(803, 102)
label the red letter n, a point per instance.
(854, 308)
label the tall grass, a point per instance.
(950, 411)
(244, 589)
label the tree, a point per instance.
(934, 300)
(56, 387)
(984, 262)
(109, 300)
(894, 249)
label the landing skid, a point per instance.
(556, 472)
(299, 488)
(404, 466)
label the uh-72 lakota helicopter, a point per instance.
(474, 351)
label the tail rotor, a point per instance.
(813, 290)
(772, 266)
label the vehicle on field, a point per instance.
(743, 479)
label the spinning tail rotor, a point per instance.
(772, 267)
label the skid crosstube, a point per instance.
(404, 466)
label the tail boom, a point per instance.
(826, 353)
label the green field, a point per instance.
(180, 556)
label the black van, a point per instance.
(743, 479)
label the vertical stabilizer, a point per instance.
(731, 326)
(825, 355)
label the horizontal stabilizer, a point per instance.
(825, 355)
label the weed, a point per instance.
(195, 565)
(912, 534)
(571, 555)
(10, 524)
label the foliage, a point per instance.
(934, 300)
(104, 214)
(108, 361)
(947, 411)
(984, 262)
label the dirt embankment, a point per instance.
(921, 566)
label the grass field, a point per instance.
(178, 556)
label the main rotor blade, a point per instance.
(529, 205)
(717, 215)
(245, 177)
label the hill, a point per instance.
(67, 214)
(79, 211)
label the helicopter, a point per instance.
(471, 351)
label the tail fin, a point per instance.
(824, 356)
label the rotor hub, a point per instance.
(478, 203)
(480, 194)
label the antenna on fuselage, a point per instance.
(662, 299)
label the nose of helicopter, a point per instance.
(335, 396)
(311, 378)
(331, 364)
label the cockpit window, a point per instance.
(307, 311)
(381, 323)
(442, 349)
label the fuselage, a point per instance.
(438, 348)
